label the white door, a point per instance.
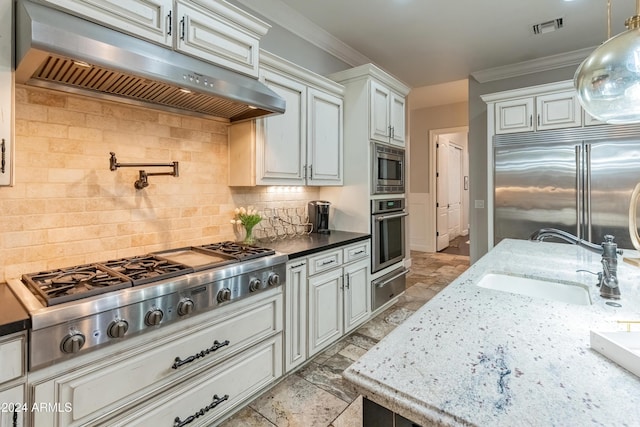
(442, 194)
(455, 191)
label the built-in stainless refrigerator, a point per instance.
(578, 180)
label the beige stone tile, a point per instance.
(350, 417)
(247, 417)
(296, 402)
(352, 352)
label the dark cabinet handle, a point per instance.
(182, 28)
(15, 419)
(4, 156)
(170, 26)
(216, 401)
(216, 345)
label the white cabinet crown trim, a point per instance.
(527, 91)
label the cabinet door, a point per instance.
(397, 119)
(282, 139)
(324, 139)
(295, 350)
(357, 294)
(558, 110)
(379, 123)
(6, 93)
(325, 310)
(210, 36)
(514, 115)
(14, 407)
(148, 19)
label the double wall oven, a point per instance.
(388, 217)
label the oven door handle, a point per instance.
(383, 283)
(385, 217)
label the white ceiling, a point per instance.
(426, 43)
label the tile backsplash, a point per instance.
(68, 208)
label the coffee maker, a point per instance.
(319, 216)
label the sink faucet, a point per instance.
(608, 280)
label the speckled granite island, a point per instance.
(476, 356)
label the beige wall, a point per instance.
(68, 208)
(421, 122)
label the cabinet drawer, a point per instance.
(325, 261)
(94, 392)
(12, 357)
(230, 384)
(356, 251)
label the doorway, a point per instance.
(424, 207)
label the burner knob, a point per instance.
(72, 343)
(185, 307)
(117, 328)
(224, 295)
(153, 317)
(274, 279)
(255, 284)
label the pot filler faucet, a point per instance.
(608, 280)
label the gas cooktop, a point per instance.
(72, 283)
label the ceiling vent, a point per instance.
(549, 26)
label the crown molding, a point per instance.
(533, 66)
(286, 17)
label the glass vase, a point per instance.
(248, 236)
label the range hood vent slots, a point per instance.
(62, 52)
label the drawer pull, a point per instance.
(216, 401)
(361, 251)
(297, 265)
(4, 154)
(331, 261)
(216, 345)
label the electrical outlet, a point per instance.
(479, 204)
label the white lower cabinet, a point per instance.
(295, 316)
(325, 309)
(13, 357)
(13, 407)
(327, 295)
(143, 378)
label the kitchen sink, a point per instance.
(620, 347)
(569, 292)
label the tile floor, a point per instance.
(316, 395)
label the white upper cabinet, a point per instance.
(212, 30)
(387, 115)
(6, 94)
(281, 150)
(148, 19)
(206, 29)
(514, 115)
(558, 110)
(544, 107)
(324, 138)
(303, 146)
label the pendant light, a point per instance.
(608, 81)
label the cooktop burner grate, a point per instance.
(147, 268)
(73, 283)
(238, 250)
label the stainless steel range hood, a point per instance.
(63, 52)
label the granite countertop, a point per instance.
(300, 246)
(13, 316)
(484, 357)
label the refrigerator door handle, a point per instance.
(579, 209)
(587, 152)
